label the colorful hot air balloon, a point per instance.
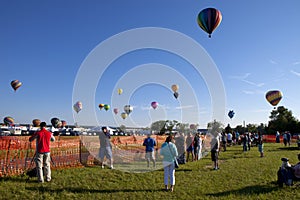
(116, 110)
(36, 122)
(77, 106)
(154, 104)
(209, 19)
(8, 121)
(15, 84)
(124, 115)
(120, 91)
(231, 114)
(56, 123)
(274, 97)
(101, 105)
(106, 107)
(128, 109)
(175, 88)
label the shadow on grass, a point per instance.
(85, 190)
(289, 148)
(255, 189)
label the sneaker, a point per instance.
(111, 167)
(102, 166)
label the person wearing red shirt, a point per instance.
(42, 157)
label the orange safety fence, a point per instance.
(16, 152)
(272, 139)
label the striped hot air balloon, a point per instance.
(209, 19)
(274, 97)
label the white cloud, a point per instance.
(296, 63)
(244, 77)
(273, 62)
(296, 73)
(185, 107)
(248, 92)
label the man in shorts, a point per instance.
(105, 147)
(215, 144)
(149, 143)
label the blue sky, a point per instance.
(45, 43)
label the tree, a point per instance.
(159, 126)
(281, 120)
(215, 127)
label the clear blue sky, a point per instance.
(44, 43)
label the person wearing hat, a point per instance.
(149, 143)
(42, 158)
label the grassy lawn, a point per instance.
(242, 175)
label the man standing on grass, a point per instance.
(149, 143)
(42, 158)
(105, 147)
(215, 145)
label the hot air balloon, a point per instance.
(128, 109)
(154, 104)
(106, 107)
(116, 110)
(56, 123)
(8, 121)
(15, 84)
(101, 105)
(124, 115)
(63, 123)
(231, 114)
(175, 88)
(209, 19)
(274, 97)
(176, 94)
(120, 91)
(77, 106)
(36, 122)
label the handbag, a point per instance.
(175, 159)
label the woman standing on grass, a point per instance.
(169, 153)
(260, 145)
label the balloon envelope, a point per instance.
(124, 115)
(116, 110)
(154, 104)
(120, 91)
(8, 121)
(36, 122)
(175, 88)
(106, 107)
(56, 123)
(15, 84)
(176, 94)
(77, 106)
(101, 105)
(231, 114)
(209, 19)
(128, 109)
(274, 97)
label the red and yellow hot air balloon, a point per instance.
(209, 19)
(274, 97)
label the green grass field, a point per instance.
(242, 175)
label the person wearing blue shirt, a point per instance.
(150, 143)
(169, 153)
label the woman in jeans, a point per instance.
(169, 153)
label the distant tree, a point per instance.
(215, 127)
(228, 129)
(182, 127)
(159, 127)
(282, 119)
(251, 128)
(240, 129)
